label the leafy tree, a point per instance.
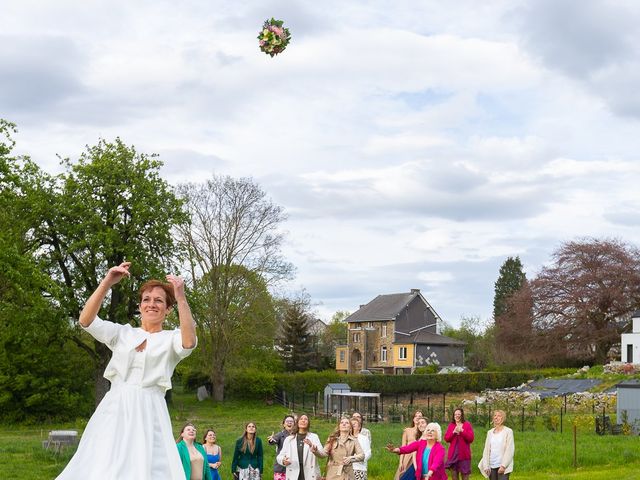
(36, 381)
(575, 309)
(233, 241)
(510, 279)
(296, 342)
(245, 337)
(334, 334)
(583, 300)
(478, 351)
(109, 206)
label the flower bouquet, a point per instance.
(273, 38)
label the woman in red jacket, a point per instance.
(429, 460)
(459, 436)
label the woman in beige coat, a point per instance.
(410, 434)
(497, 457)
(343, 449)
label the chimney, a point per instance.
(362, 306)
(415, 290)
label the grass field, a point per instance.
(539, 455)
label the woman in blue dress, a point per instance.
(214, 453)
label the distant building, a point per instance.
(631, 341)
(316, 326)
(396, 333)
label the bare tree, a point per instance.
(582, 302)
(233, 243)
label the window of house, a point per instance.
(383, 354)
(403, 353)
(342, 356)
(383, 332)
(370, 325)
(356, 337)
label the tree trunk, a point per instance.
(102, 385)
(217, 385)
(602, 349)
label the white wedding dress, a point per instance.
(129, 436)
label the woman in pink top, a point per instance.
(459, 436)
(429, 460)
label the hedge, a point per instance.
(307, 382)
(252, 383)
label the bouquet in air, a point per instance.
(273, 37)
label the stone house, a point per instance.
(396, 333)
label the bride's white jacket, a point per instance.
(162, 353)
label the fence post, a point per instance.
(382, 404)
(444, 407)
(523, 418)
(560, 418)
(575, 447)
(476, 410)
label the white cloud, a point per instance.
(414, 145)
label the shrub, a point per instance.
(249, 383)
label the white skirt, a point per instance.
(129, 437)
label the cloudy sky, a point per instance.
(414, 143)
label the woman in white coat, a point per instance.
(300, 452)
(497, 457)
(360, 468)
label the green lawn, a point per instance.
(539, 455)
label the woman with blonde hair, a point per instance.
(248, 455)
(342, 449)
(499, 447)
(410, 434)
(360, 468)
(193, 455)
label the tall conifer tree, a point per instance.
(296, 341)
(510, 280)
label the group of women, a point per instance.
(422, 455)
(129, 436)
(348, 449)
(298, 450)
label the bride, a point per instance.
(129, 435)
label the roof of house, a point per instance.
(383, 307)
(428, 338)
(316, 325)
